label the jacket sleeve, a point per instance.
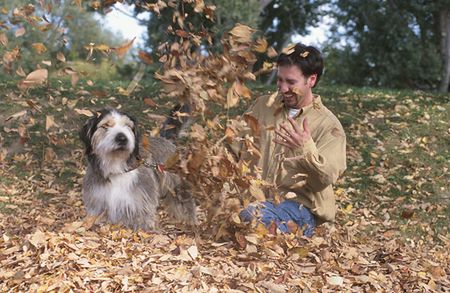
(322, 162)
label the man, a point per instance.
(301, 144)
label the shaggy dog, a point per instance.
(123, 187)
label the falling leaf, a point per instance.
(20, 32)
(261, 45)
(304, 54)
(39, 48)
(60, 56)
(47, 62)
(123, 49)
(3, 39)
(145, 57)
(289, 49)
(20, 72)
(232, 97)
(242, 33)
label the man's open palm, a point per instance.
(294, 137)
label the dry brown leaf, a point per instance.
(20, 72)
(145, 57)
(50, 122)
(60, 56)
(3, 39)
(123, 49)
(242, 33)
(37, 77)
(84, 112)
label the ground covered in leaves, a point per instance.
(391, 233)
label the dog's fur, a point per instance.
(118, 184)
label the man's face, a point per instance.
(294, 87)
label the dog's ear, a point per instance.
(87, 131)
(136, 152)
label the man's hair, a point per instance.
(307, 58)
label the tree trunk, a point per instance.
(263, 4)
(444, 22)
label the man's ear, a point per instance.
(312, 80)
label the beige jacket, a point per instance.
(307, 172)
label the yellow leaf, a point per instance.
(242, 90)
(261, 45)
(289, 49)
(199, 6)
(39, 48)
(102, 47)
(348, 209)
(272, 99)
(242, 33)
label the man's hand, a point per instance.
(295, 137)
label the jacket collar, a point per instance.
(316, 104)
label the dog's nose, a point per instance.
(121, 139)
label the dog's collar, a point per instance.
(158, 167)
(155, 166)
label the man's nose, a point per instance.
(282, 87)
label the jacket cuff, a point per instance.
(308, 147)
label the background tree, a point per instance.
(281, 19)
(38, 33)
(389, 43)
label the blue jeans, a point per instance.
(288, 210)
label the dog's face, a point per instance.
(111, 134)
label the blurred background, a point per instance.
(374, 43)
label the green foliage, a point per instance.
(57, 27)
(389, 43)
(101, 71)
(283, 18)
